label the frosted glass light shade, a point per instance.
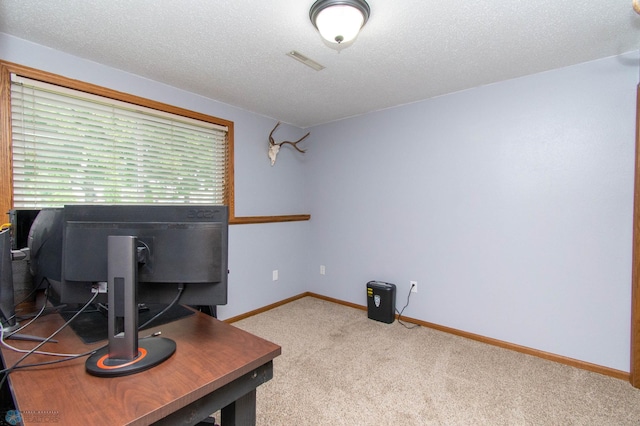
(339, 24)
(339, 21)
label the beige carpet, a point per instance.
(340, 368)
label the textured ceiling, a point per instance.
(235, 51)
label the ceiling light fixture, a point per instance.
(339, 21)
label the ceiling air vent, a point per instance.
(308, 62)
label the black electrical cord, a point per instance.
(402, 310)
(7, 371)
(38, 364)
(16, 365)
(35, 317)
(169, 306)
(33, 291)
(27, 297)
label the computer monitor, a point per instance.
(186, 245)
(7, 309)
(161, 250)
(176, 258)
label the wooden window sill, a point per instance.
(243, 220)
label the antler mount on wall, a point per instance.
(274, 147)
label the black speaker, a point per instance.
(7, 312)
(381, 301)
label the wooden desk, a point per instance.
(215, 366)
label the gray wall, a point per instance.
(510, 204)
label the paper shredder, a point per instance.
(381, 301)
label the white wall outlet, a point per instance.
(414, 286)
(274, 275)
(323, 270)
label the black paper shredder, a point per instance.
(381, 301)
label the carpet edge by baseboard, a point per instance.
(266, 308)
(583, 365)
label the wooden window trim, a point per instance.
(6, 173)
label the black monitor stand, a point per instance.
(126, 354)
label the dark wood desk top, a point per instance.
(209, 354)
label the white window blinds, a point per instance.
(71, 147)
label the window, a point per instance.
(72, 142)
(138, 180)
(72, 147)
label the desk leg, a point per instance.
(236, 400)
(241, 412)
